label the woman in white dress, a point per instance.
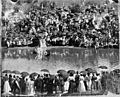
(81, 84)
(7, 88)
(66, 86)
(27, 90)
(30, 91)
(89, 84)
(99, 86)
(31, 86)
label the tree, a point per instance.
(3, 5)
(45, 4)
(75, 8)
(52, 5)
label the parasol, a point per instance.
(24, 74)
(16, 72)
(93, 71)
(61, 71)
(6, 71)
(63, 74)
(103, 67)
(116, 71)
(71, 71)
(45, 70)
(83, 72)
(33, 74)
(89, 70)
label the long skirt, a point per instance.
(82, 87)
(66, 86)
(7, 88)
(89, 83)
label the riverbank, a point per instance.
(49, 47)
(75, 95)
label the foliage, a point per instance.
(75, 8)
(3, 5)
(91, 2)
(47, 4)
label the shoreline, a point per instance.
(49, 47)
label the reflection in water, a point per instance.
(59, 58)
(65, 54)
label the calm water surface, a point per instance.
(53, 59)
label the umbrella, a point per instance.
(6, 71)
(89, 70)
(83, 72)
(116, 70)
(93, 71)
(33, 74)
(45, 70)
(24, 74)
(16, 72)
(103, 67)
(63, 73)
(71, 71)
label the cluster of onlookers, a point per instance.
(94, 26)
(88, 81)
(114, 81)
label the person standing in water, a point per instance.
(40, 37)
(42, 42)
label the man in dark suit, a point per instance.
(22, 85)
(16, 86)
(38, 84)
(76, 81)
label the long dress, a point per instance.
(66, 85)
(27, 90)
(99, 86)
(89, 84)
(7, 88)
(71, 84)
(32, 90)
(82, 85)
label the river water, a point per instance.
(53, 59)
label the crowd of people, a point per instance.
(83, 82)
(61, 83)
(94, 26)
